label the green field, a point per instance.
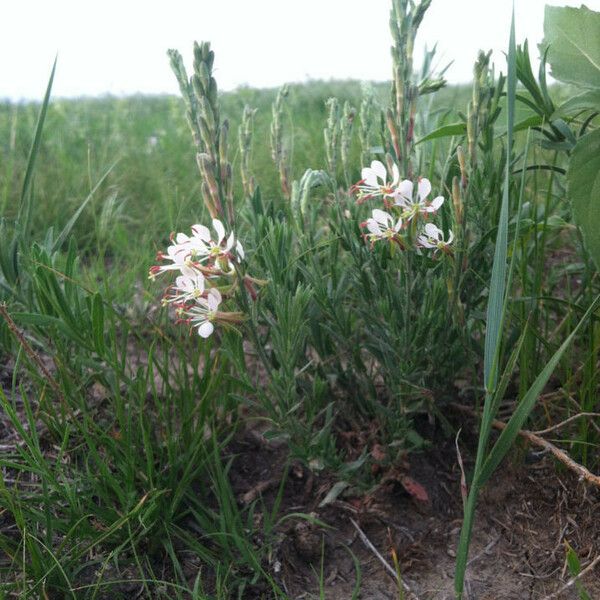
(362, 361)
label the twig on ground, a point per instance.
(559, 454)
(574, 580)
(367, 542)
(566, 422)
(262, 486)
(484, 551)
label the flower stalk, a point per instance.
(279, 151)
(200, 96)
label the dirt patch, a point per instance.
(527, 514)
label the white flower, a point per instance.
(381, 226)
(204, 312)
(403, 197)
(374, 181)
(181, 261)
(186, 289)
(203, 247)
(433, 237)
(189, 252)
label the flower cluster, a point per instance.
(204, 263)
(402, 225)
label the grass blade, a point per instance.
(26, 192)
(494, 323)
(518, 418)
(69, 226)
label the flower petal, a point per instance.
(373, 226)
(382, 217)
(206, 329)
(369, 177)
(437, 202)
(219, 230)
(184, 284)
(199, 282)
(201, 231)
(405, 189)
(379, 170)
(424, 188)
(240, 250)
(432, 231)
(214, 299)
(176, 253)
(395, 175)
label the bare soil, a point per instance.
(527, 514)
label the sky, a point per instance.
(119, 46)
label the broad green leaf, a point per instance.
(572, 40)
(589, 100)
(583, 179)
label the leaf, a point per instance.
(526, 405)
(69, 226)
(589, 100)
(26, 192)
(572, 40)
(98, 322)
(416, 490)
(533, 121)
(496, 310)
(333, 493)
(446, 131)
(583, 180)
(572, 560)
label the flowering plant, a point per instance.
(207, 276)
(403, 225)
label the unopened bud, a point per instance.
(462, 163)
(472, 133)
(391, 125)
(457, 201)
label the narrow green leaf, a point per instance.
(494, 323)
(533, 121)
(69, 226)
(445, 131)
(497, 301)
(98, 322)
(26, 192)
(573, 561)
(518, 418)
